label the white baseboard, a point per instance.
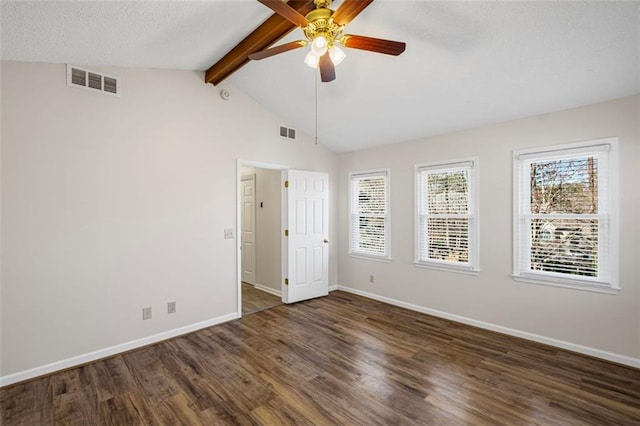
(113, 350)
(598, 353)
(268, 289)
(333, 288)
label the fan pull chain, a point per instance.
(316, 101)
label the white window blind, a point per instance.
(446, 215)
(369, 214)
(563, 215)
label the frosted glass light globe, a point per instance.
(337, 55)
(311, 59)
(319, 46)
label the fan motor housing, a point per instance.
(321, 24)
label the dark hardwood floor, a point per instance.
(254, 300)
(341, 359)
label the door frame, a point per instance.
(283, 221)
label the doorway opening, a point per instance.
(291, 255)
(260, 220)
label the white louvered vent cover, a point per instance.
(287, 132)
(86, 79)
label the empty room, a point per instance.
(347, 212)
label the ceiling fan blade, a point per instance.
(327, 69)
(278, 49)
(286, 11)
(372, 44)
(348, 10)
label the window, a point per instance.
(369, 199)
(564, 230)
(446, 216)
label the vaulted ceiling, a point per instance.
(466, 63)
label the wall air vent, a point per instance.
(91, 80)
(287, 132)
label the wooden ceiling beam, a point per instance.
(272, 30)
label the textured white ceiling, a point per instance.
(466, 63)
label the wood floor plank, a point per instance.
(254, 300)
(111, 378)
(338, 360)
(278, 412)
(79, 407)
(28, 403)
(149, 375)
(122, 410)
(296, 392)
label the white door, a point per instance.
(307, 243)
(248, 228)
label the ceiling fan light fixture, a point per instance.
(312, 59)
(337, 55)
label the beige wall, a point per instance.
(608, 323)
(111, 204)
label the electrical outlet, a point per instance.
(371, 278)
(228, 233)
(171, 307)
(146, 313)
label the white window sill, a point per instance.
(466, 270)
(567, 283)
(370, 257)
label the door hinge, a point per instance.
(286, 232)
(286, 183)
(286, 281)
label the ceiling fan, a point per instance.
(322, 27)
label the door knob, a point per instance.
(326, 241)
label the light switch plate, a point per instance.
(228, 233)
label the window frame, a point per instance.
(386, 173)
(472, 267)
(610, 216)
